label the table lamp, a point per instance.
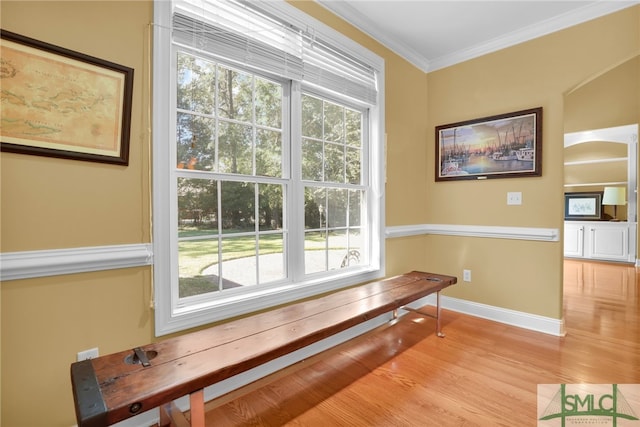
(614, 196)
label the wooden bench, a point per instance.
(112, 388)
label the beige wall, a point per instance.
(609, 98)
(518, 275)
(53, 203)
(50, 203)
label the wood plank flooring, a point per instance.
(482, 374)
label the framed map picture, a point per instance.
(583, 206)
(61, 103)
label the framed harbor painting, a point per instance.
(583, 206)
(64, 104)
(502, 146)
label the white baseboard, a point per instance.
(519, 319)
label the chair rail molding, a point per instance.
(54, 262)
(42, 263)
(496, 232)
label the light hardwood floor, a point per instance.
(482, 374)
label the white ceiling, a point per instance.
(433, 34)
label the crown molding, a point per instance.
(347, 12)
(560, 22)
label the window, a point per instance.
(230, 177)
(334, 186)
(267, 167)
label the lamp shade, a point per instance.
(614, 196)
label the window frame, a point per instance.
(170, 315)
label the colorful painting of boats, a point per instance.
(498, 146)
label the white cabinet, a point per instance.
(600, 240)
(610, 242)
(573, 239)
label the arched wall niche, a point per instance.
(601, 116)
(604, 166)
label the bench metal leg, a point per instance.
(438, 325)
(423, 313)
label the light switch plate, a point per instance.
(514, 198)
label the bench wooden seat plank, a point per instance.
(201, 340)
(191, 362)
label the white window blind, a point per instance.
(223, 28)
(242, 48)
(331, 69)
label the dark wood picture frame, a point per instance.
(584, 206)
(502, 146)
(61, 103)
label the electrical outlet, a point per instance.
(466, 275)
(92, 353)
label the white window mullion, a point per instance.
(296, 207)
(216, 134)
(173, 194)
(288, 217)
(256, 226)
(219, 207)
(344, 148)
